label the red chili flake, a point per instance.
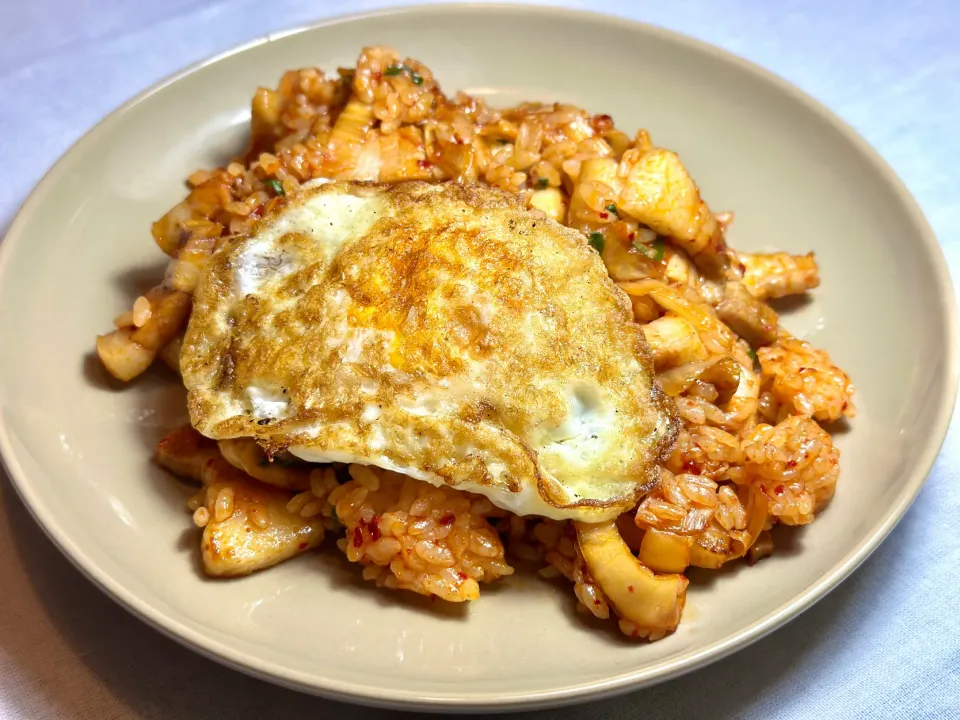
(255, 213)
(425, 164)
(302, 546)
(763, 489)
(791, 463)
(604, 215)
(779, 489)
(357, 537)
(462, 575)
(632, 236)
(596, 601)
(374, 526)
(629, 588)
(448, 518)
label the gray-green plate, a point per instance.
(797, 178)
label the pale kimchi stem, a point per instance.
(674, 341)
(741, 410)
(736, 384)
(649, 605)
(686, 302)
(678, 380)
(347, 139)
(736, 387)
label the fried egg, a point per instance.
(440, 331)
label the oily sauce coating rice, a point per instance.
(751, 452)
(412, 536)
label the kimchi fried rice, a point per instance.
(752, 453)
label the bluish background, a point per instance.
(886, 644)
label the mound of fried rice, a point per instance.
(752, 452)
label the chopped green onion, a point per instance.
(275, 185)
(654, 250)
(542, 183)
(658, 245)
(753, 355)
(613, 208)
(596, 241)
(335, 518)
(416, 77)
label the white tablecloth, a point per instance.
(886, 644)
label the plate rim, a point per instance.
(621, 683)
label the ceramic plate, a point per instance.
(78, 449)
